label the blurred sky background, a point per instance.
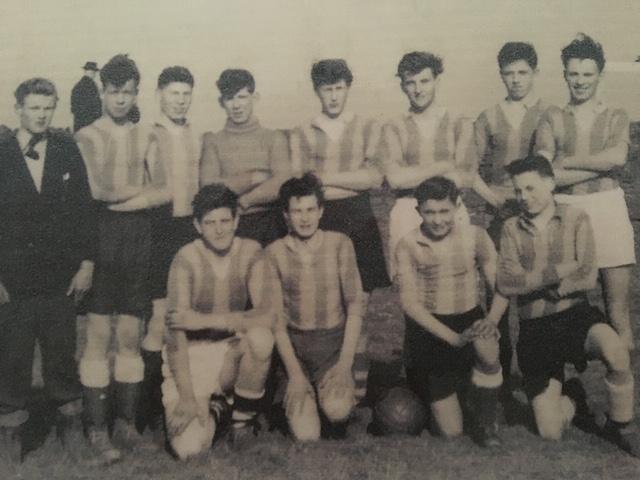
(279, 39)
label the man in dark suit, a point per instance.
(86, 105)
(46, 262)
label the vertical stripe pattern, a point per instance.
(319, 289)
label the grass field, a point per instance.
(360, 457)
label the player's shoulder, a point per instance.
(6, 135)
(248, 246)
(571, 214)
(60, 135)
(189, 254)
(338, 239)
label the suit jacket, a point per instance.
(86, 105)
(44, 236)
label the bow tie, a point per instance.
(33, 141)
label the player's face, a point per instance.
(217, 229)
(438, 217)
(582, 77)
(239, 108)
(333, 98)
(36, 112)
(175, 100)
(518, 78)
(533, 191)
(118, 101)
(420, 89)
(304, 216)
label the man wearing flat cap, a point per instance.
(86, 105)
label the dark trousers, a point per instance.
(51, 320)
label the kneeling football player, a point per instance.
(320, 304)
(215, 344)
(548, 259)
(447, 336)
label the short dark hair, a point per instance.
(532, 163)
(175, 74)
(436, 188)
(330, 71)
(583, 47)
(211, 197)
(119, 70)
(303, 186)
(35, 86)
(514, 51)
(415, 62)
(232, 80)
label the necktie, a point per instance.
(33, 141)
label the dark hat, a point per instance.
(91, 66)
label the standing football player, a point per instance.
(588, 143)
(172, 160)
(504, 133)
(447, 336)
(47, 250)
(548, 259)
(113, 150)
(251, 160)
(215, 344)
(320, 306)
(340, 147)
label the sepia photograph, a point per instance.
(349, 239)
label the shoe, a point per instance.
(126, 435)
(10, 444)
(625, 436)
(156, 424)
(104, 453)
(243, 432)
(220, 410)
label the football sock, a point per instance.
(620, 401)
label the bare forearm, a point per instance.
(266, 192)
(411, 177)
(361, 180)
(178, 357)
(349, 343)
(482, 189)
(603, 161)
(287, 354)
(499, 305)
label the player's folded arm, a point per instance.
(585, 276)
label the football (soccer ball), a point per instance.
(398, 411)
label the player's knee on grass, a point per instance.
(487, 354)
(552, 411)
(337, 408)
(196, 438)
(448, 416)
(304, 420)
(260, 342)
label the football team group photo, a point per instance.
(195, 297)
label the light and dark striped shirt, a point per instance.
(319, 287)
(529, 257)
(173, 161)
(444, 273)
(559, 135)
(500, 142)
(114, 156)
(201, 281)
(313, 149)
(447, 139)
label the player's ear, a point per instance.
(221, 101)
(256, 96)
(236, 221)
